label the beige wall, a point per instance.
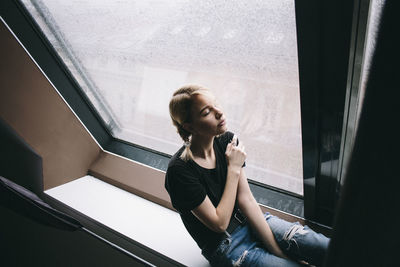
(134, 177)
(31, 106)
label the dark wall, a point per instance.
(24, 242)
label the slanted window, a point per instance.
(129, 56)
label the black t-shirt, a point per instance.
(188, 184)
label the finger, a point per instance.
(240, 146)
(234, 140)
(228, 148)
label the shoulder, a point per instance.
(176, 164)
(176, 160)
(179, 171)
(184, 184)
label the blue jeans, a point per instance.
(243, 248)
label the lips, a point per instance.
(222, 123)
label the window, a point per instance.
(129, 56)
(375, 10)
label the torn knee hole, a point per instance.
(297, 228)
(241, 259)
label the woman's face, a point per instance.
(207, 118)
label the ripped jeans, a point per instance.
(242, 248)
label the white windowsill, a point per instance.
(150, 224)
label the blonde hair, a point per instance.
(179, 110)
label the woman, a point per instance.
(208, 187)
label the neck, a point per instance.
(202, 146)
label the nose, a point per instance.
(218, 113)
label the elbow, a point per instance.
(221, 225)
(219, 230)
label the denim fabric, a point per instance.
(242, 248)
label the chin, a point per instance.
(222, 130)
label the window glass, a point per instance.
(375, 12)
(129, 56)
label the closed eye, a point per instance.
(206, 112)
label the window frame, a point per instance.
(312, 44)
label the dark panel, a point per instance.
(18, 161)
(323, 32)
(365, 231)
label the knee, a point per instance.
(300, 234)
(294, 232)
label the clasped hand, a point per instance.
(235, 154)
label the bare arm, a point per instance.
(217, 218)
(249, 206)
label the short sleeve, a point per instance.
(184, 187)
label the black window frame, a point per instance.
(324, 30)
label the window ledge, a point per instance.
(150, 224)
